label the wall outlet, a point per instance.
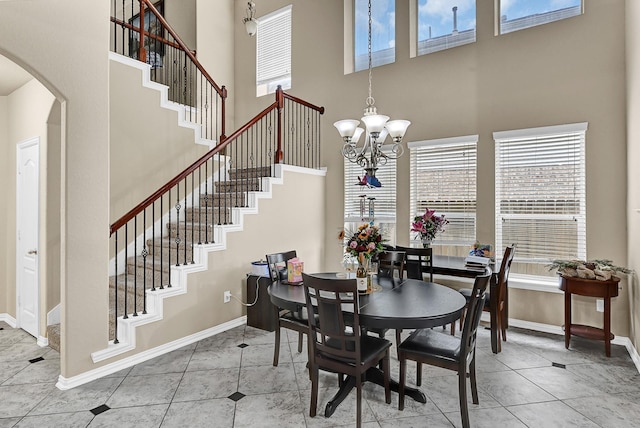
(227, 296)
(600, 305)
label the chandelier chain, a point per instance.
(370, 101)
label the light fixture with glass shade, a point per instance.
(250, 23)
(370, 155)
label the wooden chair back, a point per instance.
(474, 312)
(278, 264)
(390, 262)
(335, 333)
(418, 261)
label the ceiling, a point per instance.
(12, 76)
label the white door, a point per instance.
(27, 291)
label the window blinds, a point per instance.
(273, 61)
(443, 178)
(540, 192)
(385, 202)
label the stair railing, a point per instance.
(202, 196)
(140, 31)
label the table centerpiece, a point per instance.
(428, 225)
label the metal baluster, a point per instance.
(177, 240)
(126, 270)
(135, 266)
(145, 253)
(199, 205)
(153, 243)
(115, 280)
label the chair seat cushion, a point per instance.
(432, 343)
(466, 292)
(370, 347)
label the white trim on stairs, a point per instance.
(164, 97)
(53, 316)
(68, 383)
(127, 327)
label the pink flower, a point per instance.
(371, 246)
(353, 244)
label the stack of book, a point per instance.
(476, 262)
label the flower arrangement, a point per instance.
(602, 270)
(428, 225)
(365, 242)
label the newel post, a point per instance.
(280, 105)
(142, 53)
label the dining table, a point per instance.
(394, 304)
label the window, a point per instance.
(445, 24)
(540, 195)
(383, 33)
(520, 14)
(443, 178)
(273, 61)
(356, 206)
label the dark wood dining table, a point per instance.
(398, 304)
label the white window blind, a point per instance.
(385, 198)
(273, 62)
(443, 178)
(540, 194)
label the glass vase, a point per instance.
(426, 243)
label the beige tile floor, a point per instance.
(195, 386)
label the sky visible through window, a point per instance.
(383, 25)
(514, 9)
(435, 17)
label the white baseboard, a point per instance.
(8, 319)
(72, 382)
(42, 342)
(53, 316)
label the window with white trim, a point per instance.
(357, 199)
(443, 178)
(383, 33)
(517, 15)
(273, 51)
(445, 24)
(541, 196)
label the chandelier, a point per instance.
(370, 155)
(250, 23)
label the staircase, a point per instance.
(180, 238)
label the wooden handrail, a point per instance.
(175, 180)
(183, 46)
(303, 102)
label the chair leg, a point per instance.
(503, 323)
(276, 350)
(313, 370)
(300, 341)
(401, 382)
(453, 328)
(474, 385)
(418, 373)
(358, 400)
(387, 386)
(462, 392)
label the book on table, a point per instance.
(476, 262)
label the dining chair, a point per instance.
(293, 320)
(449, 352)
(496, 302)
(417, 262)
(389, 262)
(336, 342)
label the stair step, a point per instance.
(53, 336)
(264, 171)
(152, 272)
(168, 248)
(239, 185)
(225, 200)
(200, 232)
(209, 215)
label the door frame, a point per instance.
(19, 147)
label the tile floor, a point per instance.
(228, 381)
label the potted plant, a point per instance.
(602, 270)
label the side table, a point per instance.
(594, 288)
